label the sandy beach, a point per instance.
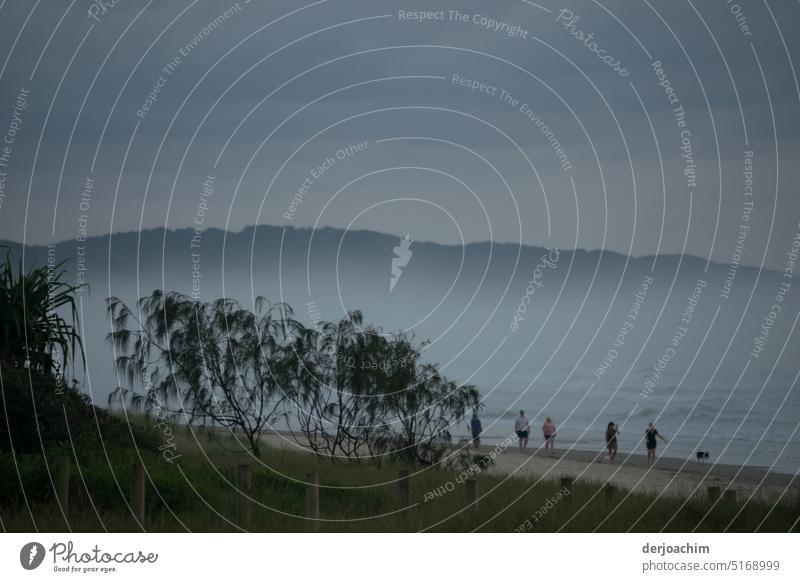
(668, 476)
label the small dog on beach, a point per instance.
(702, 456)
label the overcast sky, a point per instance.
(257, 95)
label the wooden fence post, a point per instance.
(312, 501)
(471, 488)
(244, 505)
(138, 492)
(403, 487)
(714, 492)
(730, 495)
(610, 491)
(62, 483)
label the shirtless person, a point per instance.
(549, 432)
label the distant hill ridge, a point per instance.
(153, 239)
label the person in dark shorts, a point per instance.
(476, 429)
(522, 425)
(650, 436)
(611, 441)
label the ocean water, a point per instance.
(754, 422)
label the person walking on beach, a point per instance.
(549, 432)
(650, 436)
(477, 429)
(611, 441)
(522, 426)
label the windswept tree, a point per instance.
(337, 405)
(363, 394)
(34, 331)
(214, 364)
(425, 404)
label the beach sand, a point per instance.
(668, 476)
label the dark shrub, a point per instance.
(37, 415)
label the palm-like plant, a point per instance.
(33, 331)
